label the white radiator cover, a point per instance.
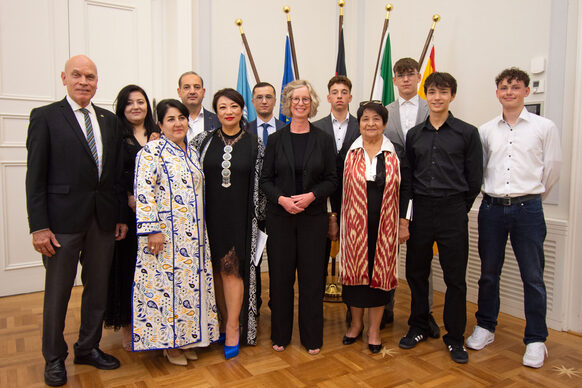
(511, 287)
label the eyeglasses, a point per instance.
(305, 100)
(260, 97)
(364, 103)
(410, 74)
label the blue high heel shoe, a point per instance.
(221, 339)
(231, 351)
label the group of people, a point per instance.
(168, 218)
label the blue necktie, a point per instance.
(90, 136)
(265, 132)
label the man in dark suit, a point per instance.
(75, 209)
(407, 111)
(191, 91)
(264, 99)
(344, 129)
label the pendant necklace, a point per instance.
(227, 155)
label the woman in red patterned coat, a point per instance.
(376, 192)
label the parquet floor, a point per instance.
(428, 365)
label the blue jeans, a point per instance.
(525, 224)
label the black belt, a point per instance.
(508, 201)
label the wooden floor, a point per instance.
(428, 365)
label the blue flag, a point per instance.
(287, 77)
(242, 86)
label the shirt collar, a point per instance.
(524, 115)
(270, 122)
(76, 106)
(386, 144)
(200, 115)
(413, 100)
(448, 121)
(333, 119)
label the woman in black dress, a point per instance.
(376, 190)
(232, 161)
(134, 111)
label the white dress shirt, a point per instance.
(339, 130)
(272, 128)
(196, 125)
(94, 123)
(520, 159)
(408, 111)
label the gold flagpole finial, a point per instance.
(238, 22)
(435, 18)
(389, 8)
(286, 9)
(341, 4)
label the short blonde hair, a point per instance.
(288, 92)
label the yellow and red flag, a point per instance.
(428, 67)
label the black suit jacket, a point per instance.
(63, 188)
(319, 171)
(252, 127)
(210, 121)
(352, 133)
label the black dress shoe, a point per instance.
(55, 373)
(97, 358)
(350, 340)
(433, 329)
(375, 348)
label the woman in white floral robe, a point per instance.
(173, 293)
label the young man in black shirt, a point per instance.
(446, 161)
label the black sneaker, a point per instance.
(411, 339)
(433, 329)
(458, 354)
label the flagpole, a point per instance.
(389, 8)
(435, 18)
(341, 4)
(286, 9)
(239, 22)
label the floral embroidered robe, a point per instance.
(173, 292)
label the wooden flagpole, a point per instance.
(239, 22)
(286, 9)
(389, 8)
(435, 18)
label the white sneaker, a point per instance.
(480, 338)
(535, 354)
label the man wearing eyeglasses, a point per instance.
(264, 99)
(407, 111)
(191, 91)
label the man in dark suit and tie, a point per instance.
(191, 91)
(75, 209)
(344, 129)
(407, 111)
(264, 99)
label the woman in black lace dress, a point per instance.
(134, 111)
(232, 161)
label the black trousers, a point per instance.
(443, 221)
(94, 249)
(296, 243)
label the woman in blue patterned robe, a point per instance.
(173, 294)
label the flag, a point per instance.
(287, 76)
(243, 87)
(428, 67)
(383, 88)
(340, 65)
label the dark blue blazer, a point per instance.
(210, 121)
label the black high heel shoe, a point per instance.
(375, 348)
(350, 340)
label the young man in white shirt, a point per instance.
(522, 157)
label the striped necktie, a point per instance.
(265, 132)
(90, 136)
